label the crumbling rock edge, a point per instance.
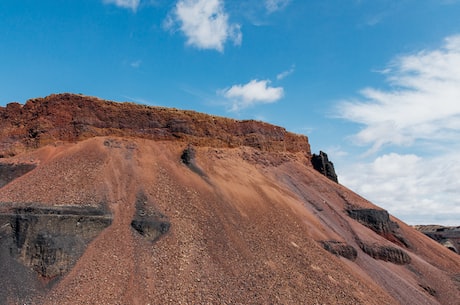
(50, 240)
(72, 117)
(386, 253)
(379, 221)
(340, 248)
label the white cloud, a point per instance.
(132, 4)
(417, 190)
(422, 104)
(286, 73)
(252, 93)
(419, 114)
(204, 23)
(276, 5)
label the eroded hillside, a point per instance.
(102, 213)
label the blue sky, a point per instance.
(374, 83)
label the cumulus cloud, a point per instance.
(131, 4)
(205, 24)
(415, 189)
(276, 5)
(422, 104)
(252, 93)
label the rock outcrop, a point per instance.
(379, 222)
(71, 117)
(322, 164)
(188, 158)
(449, 237)
(340, 248)
(49, 241)
(386, 253)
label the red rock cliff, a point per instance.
(70, 117)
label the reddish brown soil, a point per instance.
(247, 231)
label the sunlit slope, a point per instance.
(225, 225)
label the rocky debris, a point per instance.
(50, 240)
(149, 224)
(71, 117)
(340, 248)
(322, 164)
(9, 171)
(449, 237)
(379, 222)
(386, 253)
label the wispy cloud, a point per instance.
(130, 4)
(275, 5)
(420, 114)
(422, 104)
(205, 24)
(286, 73)
(250, 94)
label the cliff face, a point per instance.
(70, 117)
(108, 203)
(446, 236)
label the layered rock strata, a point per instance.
(71, 117)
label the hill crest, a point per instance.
(72, 117)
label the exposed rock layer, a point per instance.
(379, 221)
(386, 253)
(70, 117)
(449, 237)
(245, 230)
(340, 248)
(50, 240)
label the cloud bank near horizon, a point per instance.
(416, 121)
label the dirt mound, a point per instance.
(186, 218)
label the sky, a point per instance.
(373, 83)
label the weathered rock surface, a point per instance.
(386, 253)
(322, 164)
(9, 172)
(379, 222)
(449, 237)
(340, 248)
(71, 117)
(50, 240)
